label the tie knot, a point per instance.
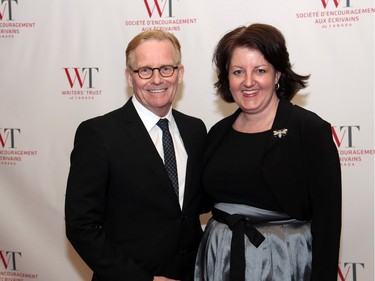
(163, 124)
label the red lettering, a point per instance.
(341, 275)
(2, 141)
(325, 3)
(77, 76)
(2, 14)
(150, 12)
(336, 138)
(5, 263)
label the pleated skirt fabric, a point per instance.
(284, 255)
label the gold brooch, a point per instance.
(280, 133)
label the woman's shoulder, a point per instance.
(307, 116)
(309, 123)
(225, 122)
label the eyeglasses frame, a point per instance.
(154, 68)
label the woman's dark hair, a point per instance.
(271, 43)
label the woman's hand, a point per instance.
(161, 278)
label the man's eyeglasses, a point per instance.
(147, 72)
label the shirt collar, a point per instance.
(149, 118)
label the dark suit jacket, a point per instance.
(303, 170)
(122, 215)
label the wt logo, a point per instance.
(344, 274)
(156, 6)
(344, 134)
(8, 4)
(335, 2)
(80, 75)
(8, 259)
(7, 136)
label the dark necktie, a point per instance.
(169, 154)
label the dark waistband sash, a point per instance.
(240, 225)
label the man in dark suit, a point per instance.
(123, 216)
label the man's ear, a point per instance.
(129, 78)
(181, 71)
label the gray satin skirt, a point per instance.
(282, 254)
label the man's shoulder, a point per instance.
(105, 119)
(180, 116)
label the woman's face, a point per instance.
(252, 81)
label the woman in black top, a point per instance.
(271, 170)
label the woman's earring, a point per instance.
(277, 86)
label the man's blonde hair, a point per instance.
(154, 35)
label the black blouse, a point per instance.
(234, 175)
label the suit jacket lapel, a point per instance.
(184, 132)
(145, 147)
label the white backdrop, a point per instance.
(63, 61)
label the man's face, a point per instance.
(157, 92)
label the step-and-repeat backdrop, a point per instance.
(62, 62)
